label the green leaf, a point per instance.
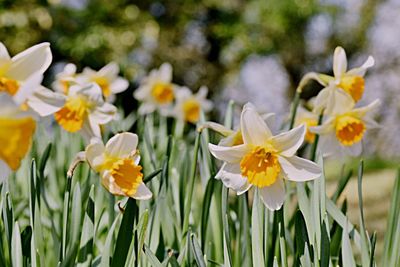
(87, 237)
(106, 253)
(149, 177)
(65, 218)
(142, 234)
(16, 247)
(125, 234)
(44, 158)
(225, 224)
(325, 246)
(347, 252)
(198, 254)
(257, 231)
(301, 235)
(205, 211)
(151, 257)
(363, 232)
(341, 185)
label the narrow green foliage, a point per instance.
(198, 254)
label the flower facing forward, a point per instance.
(189, 106)
(344, 129)
(16, 130)
(21, 75)
(107, 78)
(118, 165)
(156, 90)
(263, 160)
(350, 82)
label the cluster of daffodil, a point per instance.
(343, 124)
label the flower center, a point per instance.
(72, 115)
(191, 110)
(104, 85)
(127, 175)
(260, 166)
(349, 130)
(15, 139)
(163, 93)
(9, 86)
(353, 85)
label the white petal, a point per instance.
(104, 113)
(321, 100)
(361, 70)
(142, 193)
(231, 176)
(122, 145)
(109, 183)
(93, 92)
(4, 56)
(28, 88)
(165, 72)
(288, 143)
(298, 169)
(361, 112)
(231, 154)
(35, 59)
(354, 150)
(46, 102)
(119, 85)
(94, 154)
(339, 62)
(254, 129)
(273, 196)
(326, 128)
(90, 129)
(110, 71)
(339, 102)
(328, 144)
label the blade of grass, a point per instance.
(257, 231)
(16, 247)
(151, 257)
(205, 211)
(198, 254)
(87, 238)
(225, 225)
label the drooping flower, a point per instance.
(16, 130)
(309, 119)
(118, 165)
(65, 79)
(21, 75)
(156, 91)
(344, 129)
(351, 82)
(107, 78)
(264, 160)
(189, 106)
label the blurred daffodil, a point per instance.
(344, 128)
(263, 160)
(156, 92)
(351, 82)
(309, 119)
(16, 130)
(107, 78)
(118, 165)
(65, 78)
(188, 106)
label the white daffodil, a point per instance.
(107, 78)
(343, 130)
(118, 165)
(156, 91)
(309, 119)
(16, 130)
(344, 83)
(26, 66)
(189, 106)
(65, 78)
(263, 160)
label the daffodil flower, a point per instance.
(264, 160)
(156, 92)
(65, 79)
(309, 119)
(351, 82)
(107, 78)
(189, 106)
(118, 165)
(343, 130)
(21, 75)
(16, 130)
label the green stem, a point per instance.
(315, 144)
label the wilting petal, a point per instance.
(361, 70)
(231, 176)
(339, 62)
(288, 143)
(46, 102)
(273, 196)
(231, 154)
(299, 169)
(254, 129)
(35, 59)
(142, 193)
(122, 145)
